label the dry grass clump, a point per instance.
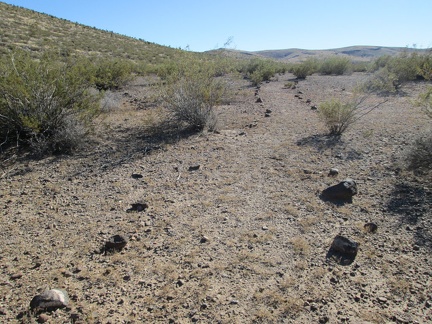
(300, 245)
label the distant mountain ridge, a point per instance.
(358, 53)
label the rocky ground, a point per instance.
(235, 230)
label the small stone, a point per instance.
(323, 320)
(194, 167)
(74, 317)
(115, 243)
(314, 107)
(370, 227)
(43, 318)
(234, 302)
(16, 276)
(204, 239)
(333, 172)
(136, 176)
(382, 300)
(138, 207)
(267, 115)
(66, 273)
(259, 100)
(265, 228)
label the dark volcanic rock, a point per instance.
(138, 207)
(115, 243)
(345, 245)
(370, 227)
(343, 250)
(343, 191)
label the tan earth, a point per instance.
(242, 237)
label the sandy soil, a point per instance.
(240, 237)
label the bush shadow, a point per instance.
(324, 142)
(321, 142)
(134, 143)
(411, 202)
(336, 202)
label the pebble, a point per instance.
(43, 318)
(16, 276)
(382, 300)
(333, 172)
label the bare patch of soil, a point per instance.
(235, 231)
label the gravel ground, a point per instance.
(235, 231)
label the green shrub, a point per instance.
(45, 103)
(335, 65)
(360, 66)
(383, 82)
(425, 101)
(338, 116)
(405, 67)
(424, 68)
(191, 101)
(111, 74)
(260, 70)
(419, 157)
(302, 70)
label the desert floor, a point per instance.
(235, 231)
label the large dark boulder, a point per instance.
(343, 250)
(345, 246)
(343, 191)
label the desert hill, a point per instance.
(356, 53)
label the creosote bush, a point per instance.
(191, 101)
(425, 101)
(391, 72)
(111, 74)
(382, 82)
(303, 69)
(335, 65)
(260, 70)
(44, 103)
(339, 116)
(419, 157)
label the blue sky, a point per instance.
(253, 25)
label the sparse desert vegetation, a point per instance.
(220, 226)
